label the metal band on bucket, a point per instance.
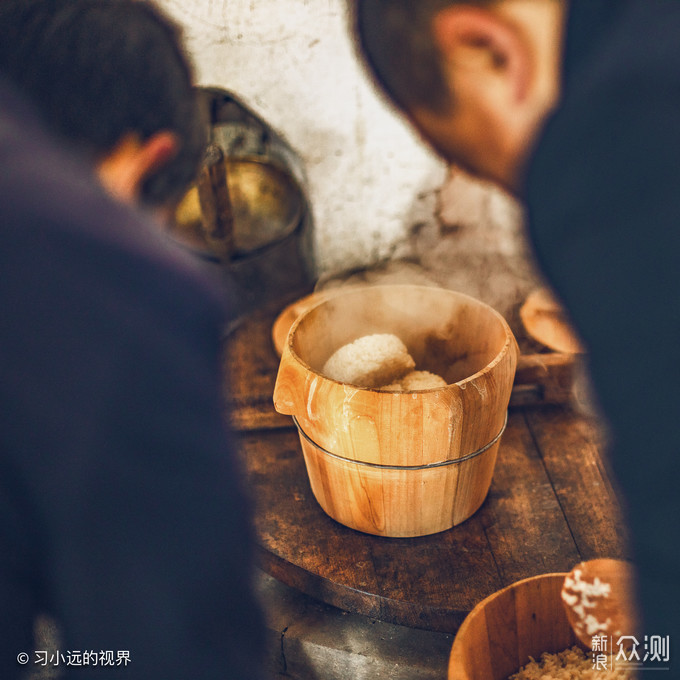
(444, 463)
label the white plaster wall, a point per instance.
(293, 61)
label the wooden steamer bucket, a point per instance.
(410, 463)
(502, 632)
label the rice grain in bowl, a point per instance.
(407, 462)
(570, 664)
(518, 624)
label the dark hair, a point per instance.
(395, 37)
(396, 40)
(98, 69)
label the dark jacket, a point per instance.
(121, 514)
(603, 194)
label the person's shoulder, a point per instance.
(623, 44)
(617, 115)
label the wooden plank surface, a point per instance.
(526, 529)
(571, 449)
(429, 582)
(550, 505)
(250, 366)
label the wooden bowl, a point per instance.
(368, 452)
(545, 320)
(499, 635)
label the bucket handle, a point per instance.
(291, 379)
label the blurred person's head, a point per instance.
(476, 78)
(110, 77)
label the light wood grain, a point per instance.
(499, 635)
(399, 502)
(448, 333)
(542, 378)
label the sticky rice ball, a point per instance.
(421, 380)
(392, 387)
(370, 361)
(415, 380)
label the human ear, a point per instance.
(151, 156)
(467, 34)
(131, 162)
